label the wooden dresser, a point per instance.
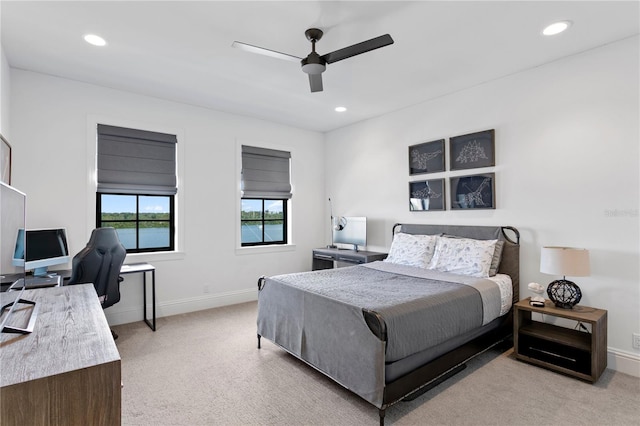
(68, 370)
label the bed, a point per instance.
(389, 330)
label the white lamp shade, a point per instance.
(565, 261)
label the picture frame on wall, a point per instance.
(473, 150)
(427, 195)
(473, 191)
(5, 161)
(426, 157)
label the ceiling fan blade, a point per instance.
(356, 49)
(315, 82)
(267, 52)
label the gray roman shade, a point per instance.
(134, 161)
(265, 173)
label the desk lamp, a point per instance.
(337, 223)
(564, 261)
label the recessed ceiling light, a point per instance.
(95, 40)
(556, 28)
(340, 109)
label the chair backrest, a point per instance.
(99, 263)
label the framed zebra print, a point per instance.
(426, 157)
(426, 195)
(473, 191)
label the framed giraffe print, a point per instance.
(426, 195)
(426, 157)
(472, 151)
(473, 191)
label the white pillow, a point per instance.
(412, 250)
(463, 256)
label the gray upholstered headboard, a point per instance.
(510, 263)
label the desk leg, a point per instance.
(153, 297)
(151, 325)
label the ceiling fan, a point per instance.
(314, 64)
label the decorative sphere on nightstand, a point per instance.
(565, 294)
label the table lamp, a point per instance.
(564, 261)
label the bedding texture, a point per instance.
(463, 256)
(406, 298)
(386, 329)
(447, 253)
(412, 250)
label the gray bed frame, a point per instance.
(435, 371)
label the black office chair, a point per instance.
(99, 264)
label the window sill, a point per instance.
(154, 257)
(265, 249)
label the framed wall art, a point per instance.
(473, 192)
(5, 161)
(473, 150)
(426, 195)
(426, 157)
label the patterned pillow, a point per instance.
(463, 256)
(412, 250)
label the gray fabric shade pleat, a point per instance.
(265, 173)
(134, 161)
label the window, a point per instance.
(137, 187)
(263, 221)
(266, 190)
(144, 223)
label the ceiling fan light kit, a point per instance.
(314, 65)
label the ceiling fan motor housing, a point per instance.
(313, 64)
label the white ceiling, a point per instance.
(182, 51)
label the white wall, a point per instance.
(54, 151)
(567, 138)
(567, 171)
(5, 91)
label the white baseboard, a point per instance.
(624, 362)
(183, 306)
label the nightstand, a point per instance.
(570, 351)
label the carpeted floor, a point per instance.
(204, 368)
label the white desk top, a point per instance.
(136, 267)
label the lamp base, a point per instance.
(564, 293)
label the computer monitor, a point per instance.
(38, 249)
(350, 230)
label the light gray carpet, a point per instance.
(204, 368)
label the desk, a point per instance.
(143, 268)
(67, 371)
(132, 268)
(323, 258)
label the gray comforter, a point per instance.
(317, 316)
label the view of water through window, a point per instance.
(149, 237)
(149, 214)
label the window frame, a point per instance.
(137, 221)
(285, 223)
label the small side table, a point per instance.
(569, 351)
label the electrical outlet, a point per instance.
(636, 340)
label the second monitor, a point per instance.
(350, 230)
(38, 249)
